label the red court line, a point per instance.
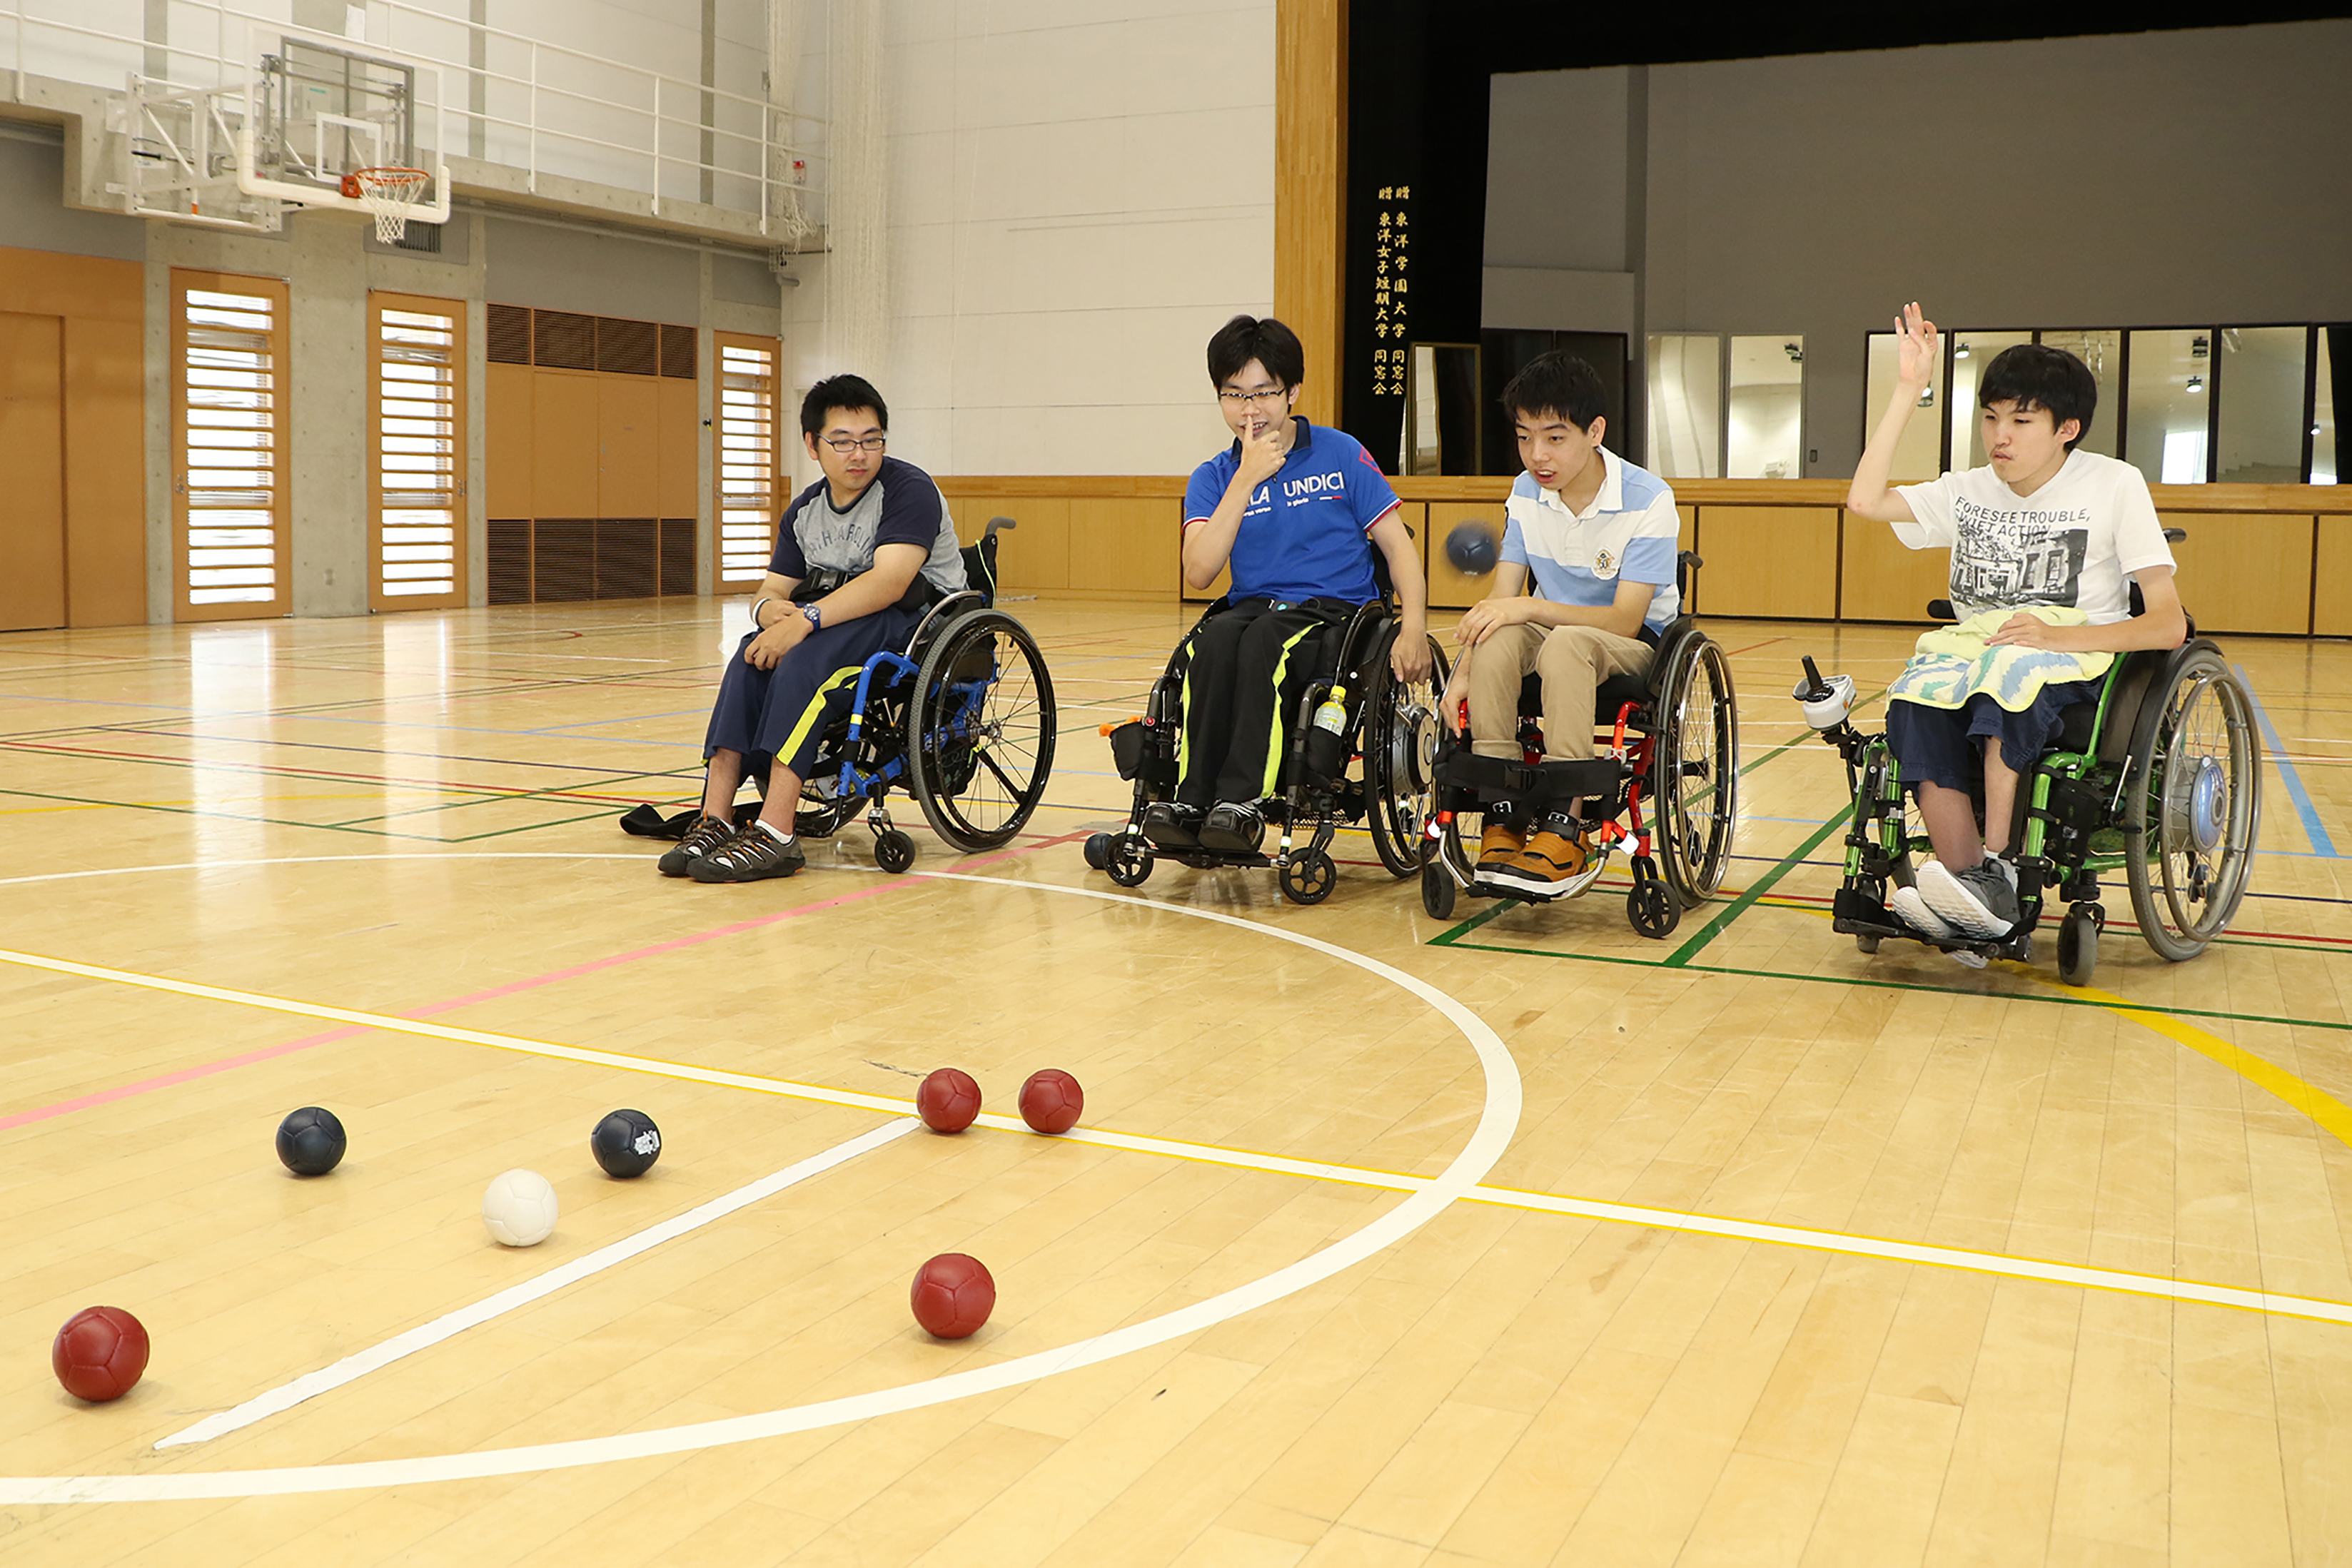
(268, 1052)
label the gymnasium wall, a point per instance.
(2142, 180)
(1075, 204)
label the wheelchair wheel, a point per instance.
(2078, 944)
(1400, 730)
(1695, 777)
(1651, 908)
(1308, 877)
(894, 852)
(2192, 803)
(1437, 891)
(983, 730)
(1128, 859)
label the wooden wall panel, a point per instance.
(506, 464)
(628, 447)
(1776, 562)
(1033, 557)
(106, 473)
(1884, 581)
(49, 283)
(563, 432)
(1310, 168)
(2331, 571)
(1124, 545)
(2244, 573)
(32, 436)
(681, 448)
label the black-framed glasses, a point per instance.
(846, 444)
(1265, 399)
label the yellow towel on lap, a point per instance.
(1954, 664)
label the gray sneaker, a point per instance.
(1978, 902)
(753, 855)
(1907, 903)
(707, 834)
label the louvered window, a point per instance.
(229, 342)
(748, 433)
(416, 434)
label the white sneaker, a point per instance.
(1980, 902)
(1912, 909)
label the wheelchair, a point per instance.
(2161, 777)
(1353, 711)
(1670, 773)
(963, 719)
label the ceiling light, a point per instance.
(2196, 383)
(1961, 353)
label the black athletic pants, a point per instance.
(1246, 670)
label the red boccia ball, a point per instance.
(1051, 1100)
(952, 1295)
(100, 1353)
(948, 1101)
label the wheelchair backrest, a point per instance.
(980, 560)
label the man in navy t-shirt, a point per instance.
(860, 554)
(1295, 512)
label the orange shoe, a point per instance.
(1545, 868)
(1497, 847)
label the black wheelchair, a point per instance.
(2161, 777)
(963, 718)
(1353, 714)
(1670, 773)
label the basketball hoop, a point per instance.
(387, 194)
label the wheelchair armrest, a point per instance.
(1941, 610)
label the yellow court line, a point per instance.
(1817, 1239)
(2331, 1115)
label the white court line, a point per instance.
(1498, 1120)
(425, 1335)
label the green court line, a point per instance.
(2167, 1008)
(1681, 957)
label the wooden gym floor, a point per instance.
(1516, 1239)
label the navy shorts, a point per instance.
(781, 715)
(1946, 745)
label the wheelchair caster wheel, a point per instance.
(2078, 943)
(1308, 877)
(1867, 942)
(1128, 859)
(1436, 892)
(894, 852)
(1653, 908)
(1098, 852)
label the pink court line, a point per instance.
(270, 1052)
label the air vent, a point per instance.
(562, 559)
(625, 559)
(629, 347)
(509, 335)
(677, 352)
(677, 556)
(509, 559)
(563, 341)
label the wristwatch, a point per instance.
(815, 621)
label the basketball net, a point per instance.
(388, 195)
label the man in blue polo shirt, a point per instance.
(1600, 537)
(1296, 511)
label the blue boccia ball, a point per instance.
(1472, 549)
(310, 1141)
(627, 1143)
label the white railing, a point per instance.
(544, 107)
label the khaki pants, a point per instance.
(1572, 660)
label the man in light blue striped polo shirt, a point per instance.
(1599, 536)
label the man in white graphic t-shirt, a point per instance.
(2043, 525)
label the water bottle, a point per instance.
(1332, 716)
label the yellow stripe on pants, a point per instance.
(815, 709)
(1274, 739)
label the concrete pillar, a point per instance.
(327, 283)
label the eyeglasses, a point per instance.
(846, 444)
(1267, 398)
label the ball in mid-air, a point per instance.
(519, 1208)
(627, 1143)
(101, 1353)
(1473, 550)
(310, 1141)
(952, 1295)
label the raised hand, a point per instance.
(1920, 350)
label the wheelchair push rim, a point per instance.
(1400, 760)
(1695, 773)
(983, 730)
(2193, 806)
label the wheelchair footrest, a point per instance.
(1531, 785)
